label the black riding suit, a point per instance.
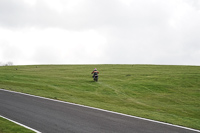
(95, 73)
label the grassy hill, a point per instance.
(164, 93)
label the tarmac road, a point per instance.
(49, 116)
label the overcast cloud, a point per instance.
(100, 32)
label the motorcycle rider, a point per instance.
(95, 73)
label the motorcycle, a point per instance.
(96, 78)
(95, 75)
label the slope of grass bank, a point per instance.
(10, 127)
(165, 93)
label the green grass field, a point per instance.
(10, 127)
(165, 93)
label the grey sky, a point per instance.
(100, 32)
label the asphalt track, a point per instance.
(50, 116)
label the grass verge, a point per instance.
(10, 127)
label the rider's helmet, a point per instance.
(95, 69)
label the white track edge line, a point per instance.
(105, 110)
(20, 124)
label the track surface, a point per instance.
(49, 116)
